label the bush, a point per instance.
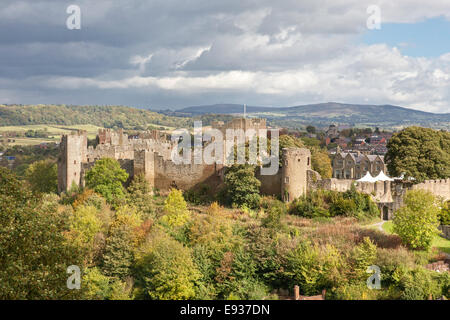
(275, 210)
(198, 196)
(323, 203)
(444, 215)
(419, 284)
(416, 222)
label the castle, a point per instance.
(149, 153)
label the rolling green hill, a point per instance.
(332, 112)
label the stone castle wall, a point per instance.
(150, 154)
(440, 188)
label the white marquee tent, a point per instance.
(367, 178)
(382, 177)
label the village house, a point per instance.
(349, 165)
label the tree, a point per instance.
(139, 195)
(241, 186)
(100, 287)
(417, 221)
(106, 177)
(287, 141)
(120, 244)
(321, 162)
(165, 269)
(175, 208)
(34, 254)
(311, 129)
(421, 153)
(42, 176)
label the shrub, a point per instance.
(444, 215)
(416, 222)
(363, 256)
(419, 284)
(275, 210)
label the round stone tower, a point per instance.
(295, 164)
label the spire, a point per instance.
(245, 110)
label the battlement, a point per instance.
(240, 123)
(440, 188)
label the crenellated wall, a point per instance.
(149, 153)
(440, 188)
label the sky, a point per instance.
(163, 54)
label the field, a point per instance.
(54, 131)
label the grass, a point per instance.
(438, 242)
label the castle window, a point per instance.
(74, 161)
(308, 161)
(75, 174)
(286, 180)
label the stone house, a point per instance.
(349, 165)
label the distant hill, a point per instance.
(384, 116)
(223, 109)
(332, 112)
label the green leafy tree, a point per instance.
(120, 244)
(421, 153)
(34, 254)
(42, 176)
(140, 196)
(321, 162)
(241, 186)
(311, 129)
(363, 256)
(416, 222)
(165, 269)
(287, 141)
(97, 286)
(175, 209)
(106, 177)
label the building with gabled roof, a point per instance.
(354, 165)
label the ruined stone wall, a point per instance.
(183, 176)
(380, 190)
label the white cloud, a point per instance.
(277, 53)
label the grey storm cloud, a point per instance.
(178, 53)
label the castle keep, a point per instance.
(149, 153)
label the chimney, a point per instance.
(296, 292)
(358, 153)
